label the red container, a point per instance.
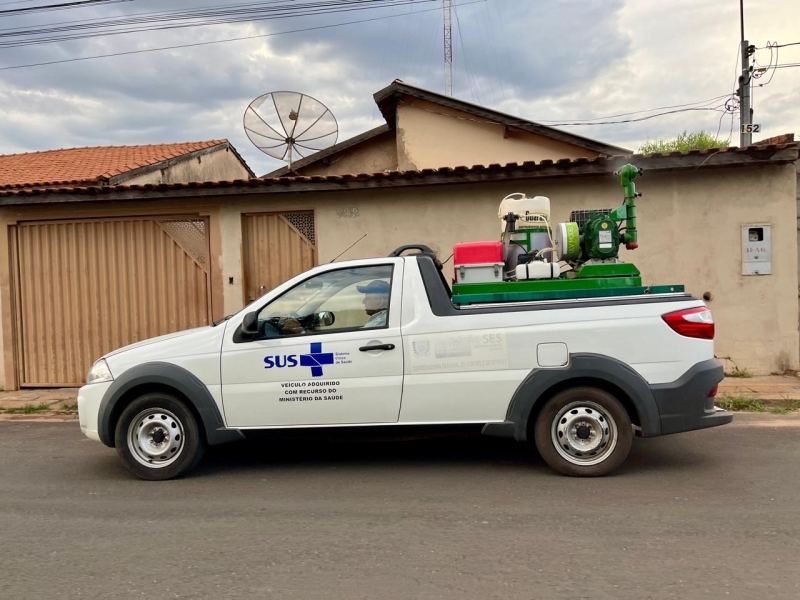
(470, 253)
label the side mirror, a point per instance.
(326, 318)
(250, 323)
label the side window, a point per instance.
(341, 300)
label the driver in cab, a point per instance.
(376, 305)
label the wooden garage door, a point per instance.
(276, 247)
(89, 287)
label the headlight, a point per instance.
(99, 373)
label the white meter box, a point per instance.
(756, 250)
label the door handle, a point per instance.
(377, 347)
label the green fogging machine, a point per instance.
(575, 259)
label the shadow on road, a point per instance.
(448, 453)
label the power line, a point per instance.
(724, 108)
(779, 46)
(173, 20)
(775, 46)
(14, 12)
(671, 112)
(196, 44)
(637, 112)
(472, 78)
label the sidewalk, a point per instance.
(40, 404)
(765, 388)
(771, 392)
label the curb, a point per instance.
(42, 417)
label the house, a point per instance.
(117, 165)
(428, 130)
(92, 267)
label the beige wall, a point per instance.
(689, 223)
(432, 136)
(372, 156)
(429, 136)
(220, 165)
(689, 233)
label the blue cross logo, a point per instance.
(316, 359)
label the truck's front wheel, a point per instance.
(583, 431)
(158, 438)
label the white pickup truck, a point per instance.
(379, 342)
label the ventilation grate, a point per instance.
(581, 216)
(304, 223)
(190, 234)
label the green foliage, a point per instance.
(698, 140)
(750, 404)
(28, 409)
(737, 403)
(70, 406)
(740, 373)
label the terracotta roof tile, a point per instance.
(87, 166)
(742, 156)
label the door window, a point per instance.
(335, 301)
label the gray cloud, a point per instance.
(549, 59)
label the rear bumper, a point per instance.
(684, 404)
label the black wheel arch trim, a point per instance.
(535, 387)
(167, 375)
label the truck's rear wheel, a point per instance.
(158, 438)
(583, 431)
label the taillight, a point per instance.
(713, 392)
(692, 322)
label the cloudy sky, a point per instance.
(545, 60)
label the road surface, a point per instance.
(708, 514)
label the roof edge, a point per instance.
(752, 156)
(165, 164)
(388, 97)
(328, 152)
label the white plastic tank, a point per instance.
(531, 211)
(532, 232)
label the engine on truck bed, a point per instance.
(534, 261)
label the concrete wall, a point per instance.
(432, 136)
(372, 156)
(689, 232)
(219, 165)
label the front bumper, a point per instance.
(89, 399)
(684, 404)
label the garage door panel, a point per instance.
(276, 247)
(89, 287)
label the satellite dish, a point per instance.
(288, 124)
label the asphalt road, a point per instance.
(709, 514)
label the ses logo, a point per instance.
(314, 359)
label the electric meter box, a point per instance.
(756, 250)
(478, 262)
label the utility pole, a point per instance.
(447, 6)
(745, 112)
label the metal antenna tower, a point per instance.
(447, 6)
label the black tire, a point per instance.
(170, 425)
(573, 413)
